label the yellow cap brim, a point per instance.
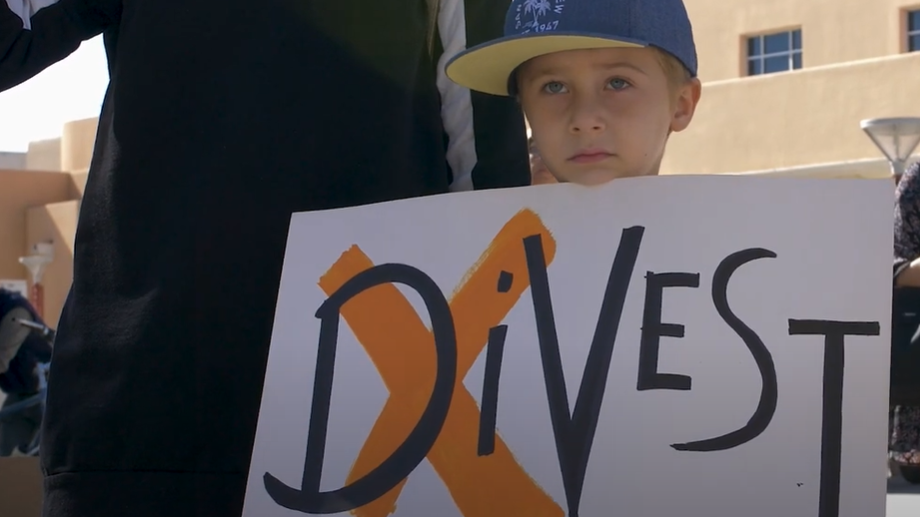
(487, 67)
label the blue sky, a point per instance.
(69, 90)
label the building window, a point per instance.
(913, 30)
(778, 52)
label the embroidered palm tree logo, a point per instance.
(538, 8)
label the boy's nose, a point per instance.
(586, 118)
(592, 126)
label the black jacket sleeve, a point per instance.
(56, 32)
(487, 140)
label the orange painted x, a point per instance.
(402, 349)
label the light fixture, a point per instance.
(895, 137)
(42, 255)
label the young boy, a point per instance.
(603, 83)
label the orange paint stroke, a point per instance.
(385, 322)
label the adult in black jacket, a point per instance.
(21, 351)
(54, 33)
(222, 118)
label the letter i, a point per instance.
(494, 352)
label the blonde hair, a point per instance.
(674, 70)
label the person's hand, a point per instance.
(910, 277)
(539, 174)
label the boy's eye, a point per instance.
(554, 87)
(618, 84)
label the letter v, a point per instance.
(574, 432)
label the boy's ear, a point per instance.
(688, 96)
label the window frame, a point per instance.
(909, 33)
(793, 54)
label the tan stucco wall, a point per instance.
(79, 184)
(42, 206)
(44, 155)
(833, 31)
(854, 68)
(54, 223)
(77, 141)
(19, 191)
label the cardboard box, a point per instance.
(20, 487)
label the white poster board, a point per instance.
(700, 346)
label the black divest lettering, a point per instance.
(309, 499)
(653, 329)
(834, 333)
(573, 429)
(769, 390)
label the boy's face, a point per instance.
(601, 114)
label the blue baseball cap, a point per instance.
(537, 27)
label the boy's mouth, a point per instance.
(590, 156)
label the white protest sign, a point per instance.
(703, 346)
